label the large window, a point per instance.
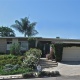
(24, 45)
(8, 45)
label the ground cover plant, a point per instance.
(18, 64)
(41, 74)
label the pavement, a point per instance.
(66, 68)
(69, 68)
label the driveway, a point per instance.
(69, 68)
(66, 68)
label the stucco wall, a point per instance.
(3, 45)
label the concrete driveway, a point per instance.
(69, 68)
(66, 68)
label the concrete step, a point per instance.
(48, 66)
(47, 63)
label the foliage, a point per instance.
(6, 32)
(10, 64)
(43, 73)
(58, 51)
(25, 27)
(31, 42)
(52, 45)
(28, 75)
(10, 67)
(48, 73)
(15, 49)
(10, 59)
(32, 58)
(33, 51)
(2, 53)
(18, 71)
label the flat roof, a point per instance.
(48, 39)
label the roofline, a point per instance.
(42, 38)
(17, 37)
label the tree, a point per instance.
(25, 27)
(6, 32)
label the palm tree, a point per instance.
(6, 32)
(25, 27)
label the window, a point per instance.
(8, 45)
(24, 45)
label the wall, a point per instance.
(3, 45)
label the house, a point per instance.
(70, 48)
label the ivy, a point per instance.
(58, 51)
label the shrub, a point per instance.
(28, 75)
(10, 67)
(2, 53)
(56, 73)
(32, 58)
(33, 51)
(43, 74)
(58, 51)
(10, 59)
(18, 71)
(15, 49)
(47, 73)
(52, 74)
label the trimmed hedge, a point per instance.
(58, 51)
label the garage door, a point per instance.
(71, 54)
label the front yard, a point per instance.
(17, 64)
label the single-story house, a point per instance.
(70, 51)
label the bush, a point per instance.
(10, 59)
(32, 58)
(2, 57)
(56, 73)
(52, 74)
(28, 75)
(2, 53)
(58, 51)
(15, 49)
(33, 51)
(47, 73)
(41, 74)
(18, 71)
(10, 67)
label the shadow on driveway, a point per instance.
(71, 62)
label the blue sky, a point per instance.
(54, 17)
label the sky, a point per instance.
(55, 18)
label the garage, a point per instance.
(71, 54)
